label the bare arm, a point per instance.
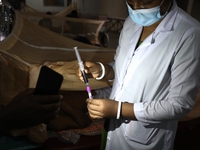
(96, 71)
(106, 108)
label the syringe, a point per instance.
(80, 63)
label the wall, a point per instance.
(109, 8)
(94, 8)
(113, 8)
(87, 8)
(196, 9)
(39, 6)
(191, 7)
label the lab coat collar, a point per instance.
(168, 21)
(167, 24)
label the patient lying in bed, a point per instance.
(73, 110)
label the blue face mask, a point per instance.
(145, 17)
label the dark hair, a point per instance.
(73, 14)
(83, 39)
(48, 13)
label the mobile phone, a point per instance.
(49, 82)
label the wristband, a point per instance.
(103, 71)
(119, 109)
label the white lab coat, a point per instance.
(161, 77)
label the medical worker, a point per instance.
(155, 77)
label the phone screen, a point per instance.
(49, 82)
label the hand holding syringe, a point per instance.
(80, 63)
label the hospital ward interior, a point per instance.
(44, 32)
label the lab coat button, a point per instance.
(108, 139)
(127, 121)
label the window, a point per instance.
(53, 2)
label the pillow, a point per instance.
(73, 135)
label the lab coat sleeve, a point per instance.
(185, 79)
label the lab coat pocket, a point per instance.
(136, 132)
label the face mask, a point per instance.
(145, 17)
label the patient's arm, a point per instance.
(69, 118)
(73, 113)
